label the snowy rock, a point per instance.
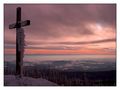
(11, 80)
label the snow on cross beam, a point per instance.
(23, 23)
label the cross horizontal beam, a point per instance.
(23, 23)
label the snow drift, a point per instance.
(11, 80)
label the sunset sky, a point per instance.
(63, 29)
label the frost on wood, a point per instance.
(21, 41)
(21, 44)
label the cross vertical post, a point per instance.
(18, 52)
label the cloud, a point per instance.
(51, 21)
(89, 42)
(73, 45)
(76, 43)
(59, 26)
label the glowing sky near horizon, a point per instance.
(64, 29)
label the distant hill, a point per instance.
(75, 65)
(63, 73)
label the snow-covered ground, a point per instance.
(11, 80)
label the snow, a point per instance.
(11, 80)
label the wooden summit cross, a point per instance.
(19, 41)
